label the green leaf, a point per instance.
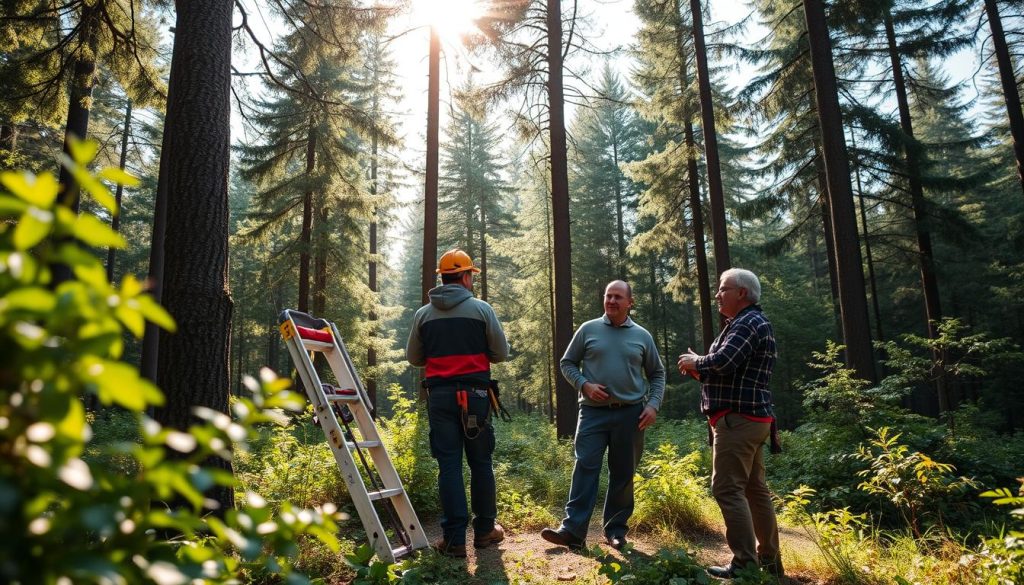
(33, 226)
(94, 232)
(156, 314)
(119, 383)
(38, 190)
(11, 207)
(118, 176)
(33, 299)
(83, 151)
(131, 318)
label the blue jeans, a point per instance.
(598, 429)
(448, 441)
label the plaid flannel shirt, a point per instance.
(736, 371)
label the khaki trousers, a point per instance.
(738, 485)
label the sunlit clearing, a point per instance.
(453, 19)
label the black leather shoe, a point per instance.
(616, 542)
(726, 572)
(561, 538)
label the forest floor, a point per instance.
(524, 557)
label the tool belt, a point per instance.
(472, 426)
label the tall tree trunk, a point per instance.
(1009, 82)
(716, 194)
(80, 101)
(553, 357)
(707, 327)
(483, 251)
(830, 240)
(430, 189)
(320, 259)
(566, 394)
(115, 222)
(925, 258)
(153, 334)
(193, 368)
(306, 235)
(872, 280)
(77, 128)
(852, 299)
(371, 349)
(620, 230)
(273, 337)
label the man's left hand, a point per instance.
(647, 418)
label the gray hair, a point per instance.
(745, 279)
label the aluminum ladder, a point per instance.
(345, 414)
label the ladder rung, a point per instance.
(382, 494)
(401, 551)
(362, 444)
(321, 346)
(343, 397)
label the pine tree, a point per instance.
(605, 136)
(472, 207)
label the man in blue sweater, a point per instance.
(615, 366)
(734, 395)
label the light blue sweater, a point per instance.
(617, 357)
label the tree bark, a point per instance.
(566, 395)
(872, 281)
(620, 230)
(306, 235)
(707, 327)
(925, 257)
(696, 209)
(716, 194)
(115, 222)
(430, 189)
(193, 367)
(80, 101)
(852, 299)
(1009, 83)
(371, 350)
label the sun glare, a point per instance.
(453, 19)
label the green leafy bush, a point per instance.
(1001, 558)
(919, 487)
(674, 567)
(68, 516)
(672, 494)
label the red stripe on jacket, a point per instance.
(450, 366)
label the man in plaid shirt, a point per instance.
(735, 397)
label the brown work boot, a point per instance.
(457, 551)
(493, 537)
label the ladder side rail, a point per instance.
(356, 382)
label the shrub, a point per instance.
(675, 567)
(1001, 558)
(670, 493)
(67, 516)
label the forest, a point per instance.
(174, 175)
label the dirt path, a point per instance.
(524, 557)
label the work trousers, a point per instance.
(737, 482)
(448, 442)
(601, 428)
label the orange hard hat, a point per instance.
(455, 261)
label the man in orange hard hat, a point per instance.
(457, 337)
